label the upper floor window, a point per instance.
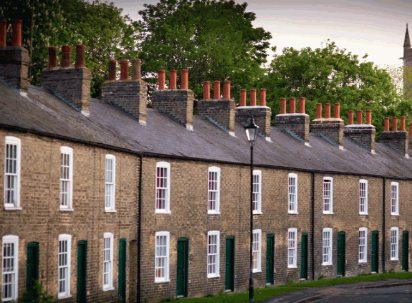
(10, 271)
(363, 197)
(328, 195)
(12, 173)
(394, 243)
(64, 266)
(257, 250)
(292, 247)
(213, 203)
(66, 178)
(257, 192)
(108, 261)
(162, 187)
(293, 193)
(363, 244)
(110, 182)
(213, 253)
(162, 256)
(327, 246)
(394, 198)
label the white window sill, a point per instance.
(292, 266)
(328, 212)
(157, 211)
(363, 214)
(212, 212)
(12, 208)
(107, 288)
(327, 264)
(63, 296)
(66, 209)
(292, 213)
(162, 281)
(362, 261)
(257, 212)
(257, 270)
(109, 210)
(397, 259)
(393, 214)
(213, 276)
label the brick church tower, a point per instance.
(407, 63)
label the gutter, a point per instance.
(383, 221)
(139, 231)
(312, 221)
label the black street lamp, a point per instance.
(251, 133)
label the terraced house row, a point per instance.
(107, 200)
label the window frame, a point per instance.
(69, 151)
(258, 210)
(258, 268)
(295, 249)
(330, 211)
(396, 212)
(329, 254)
(365, 258)
(217, 263)
(396, 251)
(108, 286)
(365, 212)
(166, 277)
(166, 210)
(295, 210)
(68, 238)
(13, 141)
(112, 206)
(11, 239)
(216, 211)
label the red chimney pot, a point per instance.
(136, 69)
(206, 90)
(359, 117)
(226, 89)
(52, 56)
(350, 117)
(394, 124)
(318, 110)
(292, 105)
(161, 79)
(262, 97)
(80, 51)
(386, 124)
(327, 111)
(283, 106)
(242, 97)
(368, 117)
(16, 33)
(124, 69)
(216, 90)
(252, 97)
(337, 110)
(3, 33)
(173, 79)
(66, 55)
(403, 120)
(184, 79)
(112, 70)
(302, 105)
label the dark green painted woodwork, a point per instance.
(182, 267)
(375, 252)
(304, 257)
(122, 270)
(32, 267)
(341, 254)
(81, 271)
(230, 264)
(270, 258)
(405, 250)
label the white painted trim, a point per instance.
(259, 209)
(259, 263)
(113, 206)
(395, 213)
(166, 210)
(363, 181)
(365, 259)
(217, 209)
(13, 141)
(331, 195)
(15, 240)
(108, 286)
(295, 176)
(68, 238)
(396, 257)
(69, 151)
(166, 278)
(295, 249)
(330, 253)
(255, 106)
(294, 114)
(214, 233)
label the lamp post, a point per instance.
(251, 133)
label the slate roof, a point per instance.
(42, 112)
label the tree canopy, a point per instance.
(333, 75)
(97, 24)
(214, 39)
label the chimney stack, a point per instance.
(176, 103)
(362, 134)
(398, 140)
(128, 94)
(330, 129)
(219, 111)
(261, 113)
(14, 60)
(71, 83)
(296, 124)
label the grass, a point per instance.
(262, 294)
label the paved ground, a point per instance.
(391, 291)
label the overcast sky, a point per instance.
(361, 26)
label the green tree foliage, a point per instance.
(214, 39)
(97, 24)
(332, 75)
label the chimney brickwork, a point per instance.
(332, 128)
(396, 139)
(70, 83)
(128, 94)
(363, 133)
(14, 60)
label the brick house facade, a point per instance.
(329, 201)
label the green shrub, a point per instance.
(36, 294)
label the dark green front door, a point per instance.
(375, 251)
(304, 257)
(122, 270)
(270, 259)
(81, 271)
(230, 263)
(32, 267)
(405, 250)
(341, 254)
(182, 266)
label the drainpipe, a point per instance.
(383, 222)
(139, 230)
(312, 218)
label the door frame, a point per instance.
(341, 233)
(232, 262)
(375, 233)
(78, 287)
(122, 293)
(405, 257)
(186, 279)
(272, 270)
(303, 272)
